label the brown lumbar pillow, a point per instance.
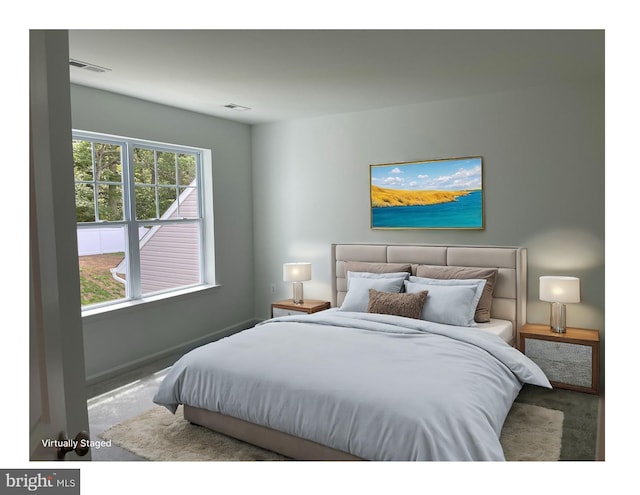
(403, 304)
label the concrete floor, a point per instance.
(124, 398)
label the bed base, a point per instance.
(267, 438)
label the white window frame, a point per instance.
(131, 224)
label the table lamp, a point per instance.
(558, 291)
(296, 273)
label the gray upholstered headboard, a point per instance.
(510, 293)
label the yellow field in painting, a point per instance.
(381, 197)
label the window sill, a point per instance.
(145, 302)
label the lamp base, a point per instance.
(558, 321)
(297, 293)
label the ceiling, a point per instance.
(293, 74)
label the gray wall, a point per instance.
(117, 340)
(543, 152)
(286, 191)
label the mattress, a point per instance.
(501, 328)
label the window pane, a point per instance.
(168, 207)
(85, 207)
(102, 264)
(170, 257)
(146, 203)
(144, 166)
(110, 202)
(188, 207)
(82, 163)
(186, 169)
(166, 168)
(108, 162)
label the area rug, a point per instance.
(581, 414)
(530, 433)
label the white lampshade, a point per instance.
(560, 289)
(296, 272)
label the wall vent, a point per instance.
(87, 66)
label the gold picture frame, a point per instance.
(445, 193)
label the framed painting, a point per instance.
(430, 194)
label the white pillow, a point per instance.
(451, 304)
(357, 297)
(352, 275)
(477, 282)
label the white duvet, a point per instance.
(380, 387)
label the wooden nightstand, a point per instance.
(570, 360)
(288, 307)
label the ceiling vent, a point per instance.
(238, 108)
(87, 66)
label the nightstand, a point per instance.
(288, 307)
(570, 360)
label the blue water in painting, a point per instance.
(466, 212)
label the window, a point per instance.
(139, 215)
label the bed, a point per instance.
(414, 361)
